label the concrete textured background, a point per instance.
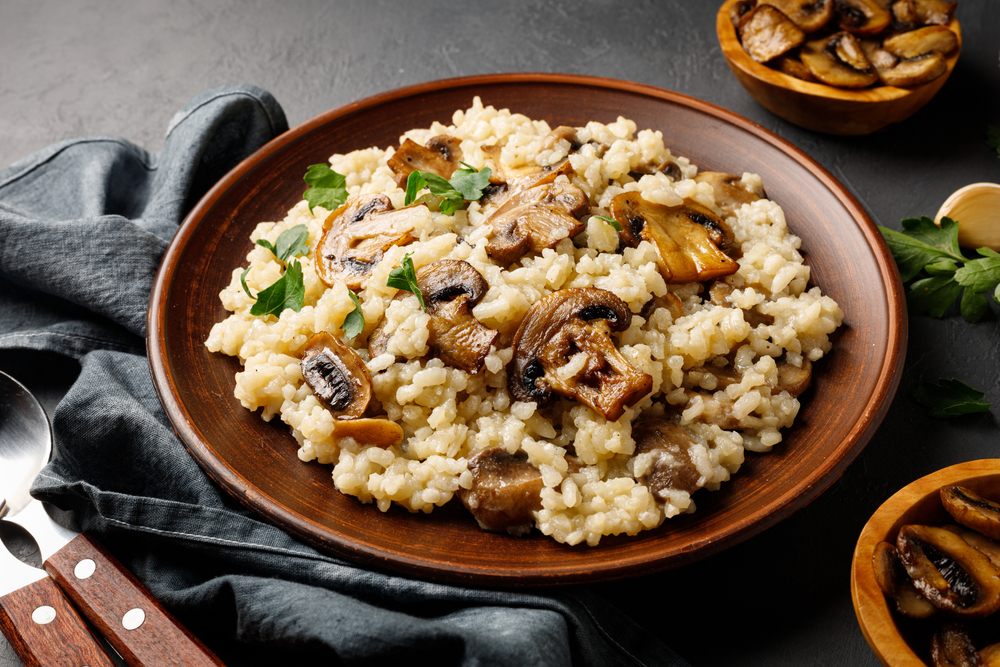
(782, 598)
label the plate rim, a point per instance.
(223, 473)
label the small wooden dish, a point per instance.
(816, 106)
(916, 503)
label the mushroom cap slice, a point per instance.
(688, 238)
(972, 510)
(914, 71)
(920, 41)
(794, 379)
(356, 236)
(670, 467)
(337, 376)
(516, 179)
(767, 33)
(792, 66)
(896, 584)
(442, 156)
(451, 288)
(990, 548)
(729, 195)
(375, 432)
(506, 490)
(862, 17)
(951, 573)
(808, 15)
(740, 12)
(564, 347)
(535, 219)
(909, 14)
(951, 646)
(838, 60)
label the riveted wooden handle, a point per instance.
(45, 631)
(122, 609)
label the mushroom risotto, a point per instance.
(574, 330)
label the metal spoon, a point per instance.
(122, 610)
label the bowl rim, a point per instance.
(733, 51)
(231, 480)
(870, 606)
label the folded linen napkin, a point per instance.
(83, 225)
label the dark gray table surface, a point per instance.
(72, 68)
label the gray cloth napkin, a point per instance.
(83, 225)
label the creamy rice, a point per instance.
(590, 475)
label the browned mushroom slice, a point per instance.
(792, 66)
(808, 15)
(356, 236)
(548, 344)
(562, 133)
(719, 293)
(897, 585)
(989, 548)
(972, 510)
(951, 646)
(669, 466)
(669, 301)
(337, 376)
(506, 490)
(442, 156)
(862, 17)
(717, 409)
(794, 379)
(376, 432)
(688, 238)
(838, 61)
(953, 575)
(508, 179)
(740, 12)
(989, 656)
(910, 14)
(451, 288)
(729, 194)
(767, 33)
(920, 41)
(914, 71)
(534, 219)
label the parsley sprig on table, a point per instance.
(929, 256)
(288, 291)
(404, 277)
(950, 398)
(465, 185)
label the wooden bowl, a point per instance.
(816, 106)
(891, 636)
(257, 461)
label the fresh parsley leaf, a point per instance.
(942, 267)
(290, 243)
(243, 281)
(327, 188)
(404, 277)
(288, 291)
(993, 138)
(922, 242)
(932, 295)
(950, 398)
(980, 275)
(610, 221)
(354, 323)
(974, 305)
(465, 185)
(470, 182)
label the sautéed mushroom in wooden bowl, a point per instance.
(861, 69)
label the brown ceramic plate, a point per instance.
(897, 641)
(257, 462)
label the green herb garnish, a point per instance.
(465, 185)
(290, 243)
(610, 221)
(327, 188)
(950, 398)
(993, 138)
(289, 290)
(354, 323)
(930, 256)
(404, 277)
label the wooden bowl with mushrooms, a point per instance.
(873, 52)
(905, 640)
